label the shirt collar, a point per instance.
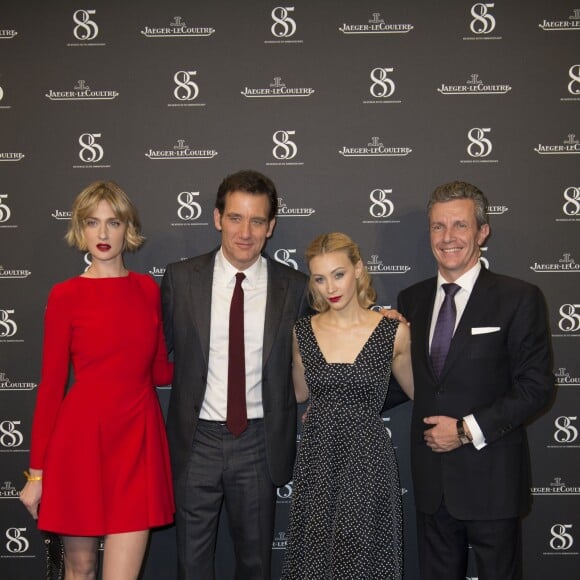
(226, 272)
(466, 281)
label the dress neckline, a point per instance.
(374, 330)
(129, 275)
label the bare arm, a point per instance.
(300, 387)
(401, 366)
(32, 492)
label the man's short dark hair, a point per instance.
(461, 190)
(248, 181)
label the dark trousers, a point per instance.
(234, 470)
(443, 544)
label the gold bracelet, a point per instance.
(32, 477)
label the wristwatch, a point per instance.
(461, 434)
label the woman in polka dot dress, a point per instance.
(346, 517)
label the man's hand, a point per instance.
(442, 437)
(394, 314)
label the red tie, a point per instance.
(237, 419)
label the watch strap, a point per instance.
(461, 434)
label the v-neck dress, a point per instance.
(346, 516)
(102, 445)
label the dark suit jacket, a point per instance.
(186, 298)
(503, 378)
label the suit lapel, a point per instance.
(422, 320)
(472, 315)
(200, 286)
(275, 299)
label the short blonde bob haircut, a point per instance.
(339, 242)
(124, 210)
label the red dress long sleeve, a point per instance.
(102, 445)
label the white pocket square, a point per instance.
(485, 329)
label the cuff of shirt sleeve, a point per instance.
(476, 432)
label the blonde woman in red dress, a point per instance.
(99, 463)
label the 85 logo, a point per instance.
(85, 29)
(10, 436)
(566, 431)
(483, 21)
(382, 86)
(189, 209)
(284, 26)
(4, 209)
(570, 318)
(480, 145)
(561, 539)
(185, 88)
(91, 151)
(16, 541)
(283, 255)
(8, 327)
(574, 84)
(381, 206)
(571, 204)
(284, 147)
(285, 492)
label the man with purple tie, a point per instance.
(482, 368)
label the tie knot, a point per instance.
(451, 289)
(239, 277)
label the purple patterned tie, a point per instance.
(237, 419)
(444, 328)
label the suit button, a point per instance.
(196, 408)
(440, 392)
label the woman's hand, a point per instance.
(32, 492)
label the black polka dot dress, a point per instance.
(345, 517)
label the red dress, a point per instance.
(102, 446)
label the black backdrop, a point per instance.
(357, 110)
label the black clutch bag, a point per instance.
(54, 556)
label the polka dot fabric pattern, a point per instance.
(346, 515)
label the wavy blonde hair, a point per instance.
(339, 242)
(124, 210)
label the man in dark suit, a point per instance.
(211, 464)
(474, 391)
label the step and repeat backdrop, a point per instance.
(356, 110)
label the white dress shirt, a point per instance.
(466, 282)
(214, 407)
